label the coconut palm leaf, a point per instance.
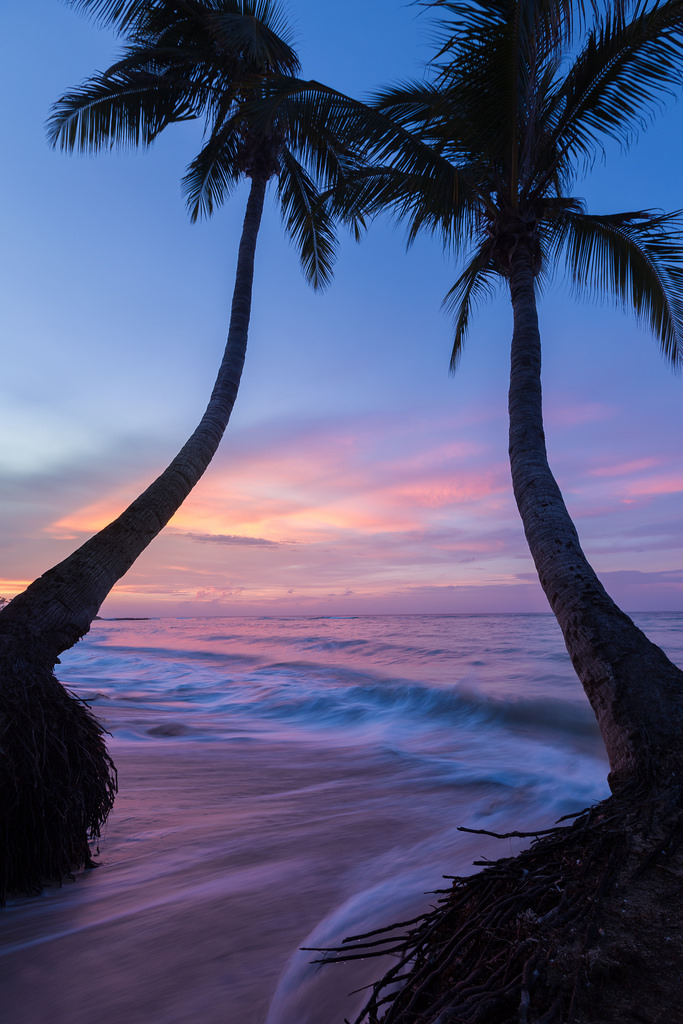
(369, 134)
(303, 112)
(477, 282)
(256, 29)
(119, 13)
(215, 172)
(415, 105)
(488, 60)
(638, 259)
(437, 116)
(307, 220)
(619, 80)
(531, 22)
(443, 205)
(259, 38)
(322, 124)
(121, 109)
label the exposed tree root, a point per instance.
(585, 927)
(57, 780)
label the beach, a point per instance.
(286, 783)
(193, 914)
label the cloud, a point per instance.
(624, 468)
(667, 577)
(229, 538)
(654, 486)
(314, 481)
(10, 588)
(393, 512)
(565, 412)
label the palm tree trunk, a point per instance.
(635, 691)
(57, 781)
(56, 610)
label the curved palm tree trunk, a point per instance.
(56, 610)
(57, 780)
(635, 691)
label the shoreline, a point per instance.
(216, 867)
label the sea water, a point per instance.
(286, 782)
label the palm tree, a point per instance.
(215, 59)
(485, 154)
(525, 95)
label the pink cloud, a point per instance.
(441, 492)
(655, 486)
(573, 414)
(625, 468)
(636, 491)
(380, 512)
(308, 484)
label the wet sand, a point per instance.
(216, 866)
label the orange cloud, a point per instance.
(314, 481)
(91, 518)
(10, 588)
(370, 509)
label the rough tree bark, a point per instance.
(634, 690)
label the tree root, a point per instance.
(57, 780)
(582, 927)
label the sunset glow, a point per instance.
(355, 475)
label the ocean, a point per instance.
(284, 783)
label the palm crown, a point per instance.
(487, 152)
(217, 60)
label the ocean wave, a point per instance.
(489, 721)
(316, 697)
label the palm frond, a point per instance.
(256, 29)
(476, 283)
(441, 204)
(214, 173)
(257, 41)
(119, 13)
(638, 259)
(124, 109)
(362, 127)
(336, 136)
(534, 22)
(231, 63)
(270, 15)
(309, 118)
(311, 112)
(307, 221)
(363, 192)
(413, 165)
(445, 117)
(411, 103)
(621, 78)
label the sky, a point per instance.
(356, 475)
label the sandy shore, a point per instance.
(216, 866)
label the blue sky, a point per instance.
(356, 474)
